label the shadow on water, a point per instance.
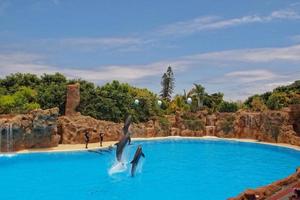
(102, 151)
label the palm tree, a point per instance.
(199, 93)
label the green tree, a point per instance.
(168, 84)
(277, 101)
(52, 91)
(21, 101)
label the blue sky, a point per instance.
(238, 47)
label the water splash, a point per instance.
(117, 167)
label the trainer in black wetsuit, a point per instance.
(86, 139)
(101, 138)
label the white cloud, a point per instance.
(251, 75)
(101, 42)
(256, 55)
(212, 22)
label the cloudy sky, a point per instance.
(238, 47)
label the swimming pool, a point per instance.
(172, 169)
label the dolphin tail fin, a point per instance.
(117, 144)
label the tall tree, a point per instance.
(168, 84)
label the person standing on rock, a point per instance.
(101, 136)
(86, 139)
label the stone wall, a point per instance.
(33, 130)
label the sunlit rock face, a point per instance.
(73, 99)
(36, 129)
(73, 128)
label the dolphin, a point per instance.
(121, 146)
(136, 158)
(127, 124)
(125, 139)
(126, 127)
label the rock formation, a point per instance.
(33, 130)
(269, 190)
(73, 99)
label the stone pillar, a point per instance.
(73, 99)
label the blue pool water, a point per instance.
(173, 169)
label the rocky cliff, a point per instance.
(33, 130)
(270, 126)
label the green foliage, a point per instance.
(228, 107)
(168, 84)
(277, 101)
(198, 92)
(192, 122)
(257, 104)
(280, 97)
(52, 91)
(13, 82)
(21, 101)
(178, 104)
(164, 124)
(213, 101)
(227, 125)
(114, 101)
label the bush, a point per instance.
(228, 107)
(164, 124)
(277, 101)
(257, 104)
(227, 125)
(191, 122)
(22, 101)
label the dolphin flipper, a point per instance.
(143, 155)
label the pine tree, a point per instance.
(168, 84)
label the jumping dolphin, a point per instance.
(124, 140)
(127, 124)
(121, 145)
(136, 158)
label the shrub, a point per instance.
(164, 124)
(191, 122)
(227, 124)
(277, 101)
(21, 101)
(228, 107)
(257, 104)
